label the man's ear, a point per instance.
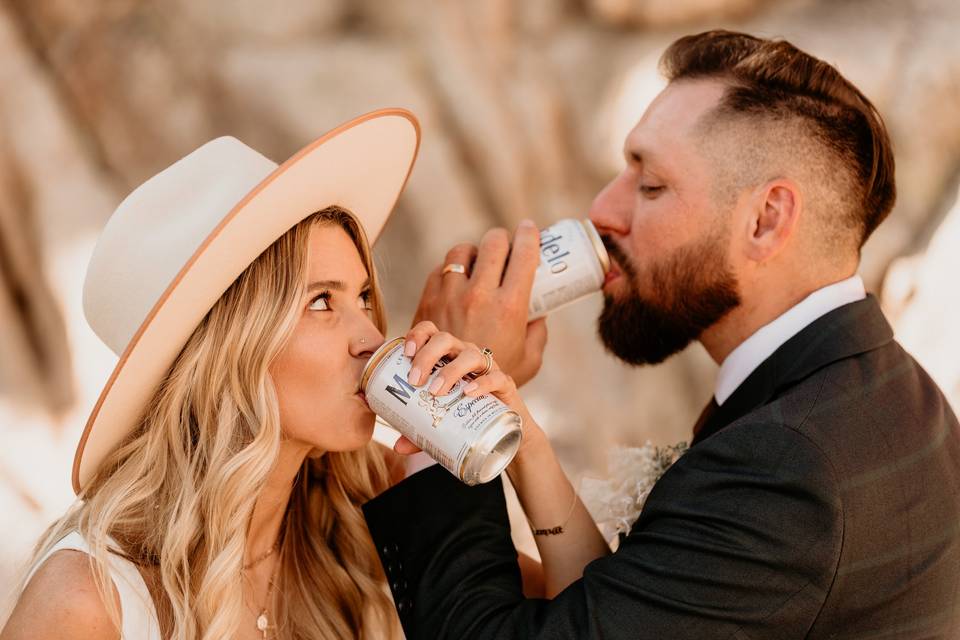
(774, 213)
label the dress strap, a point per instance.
(138, 614)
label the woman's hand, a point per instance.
(426, 344)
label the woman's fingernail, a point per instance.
(410, 349)
(436, 384)
(414, 376)
(470, 388)
(527, 222)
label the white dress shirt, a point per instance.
(742, 361)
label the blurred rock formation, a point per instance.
(922, 299)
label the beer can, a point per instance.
(474, 438)
(573, 264)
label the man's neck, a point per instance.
(761, 307)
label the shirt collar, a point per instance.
(758, 347)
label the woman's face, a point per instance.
(317, 375)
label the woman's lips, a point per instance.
(362, 396)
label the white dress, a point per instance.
(138, 615)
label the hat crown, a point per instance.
(158, 228)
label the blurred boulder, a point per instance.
(35, 368)
(128, 75)
(247, 22)
(666, 13)
(921, 295)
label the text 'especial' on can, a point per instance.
(474, 438)
(573, 264)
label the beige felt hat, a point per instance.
(179, 240)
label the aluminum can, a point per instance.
(573, 264)
(474, 438)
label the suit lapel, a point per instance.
(844, 332)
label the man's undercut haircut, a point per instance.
(772, 80)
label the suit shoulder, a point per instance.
(767, 445)
(858, 399)
(865, 413)
(61, 600)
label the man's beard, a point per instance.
(692, 290)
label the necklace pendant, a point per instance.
(262, 623)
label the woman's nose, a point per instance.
(366, 340)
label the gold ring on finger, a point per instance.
(454, 267)
(487, 354)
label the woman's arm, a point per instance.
(531, 572)
(566, 536)
(61, 602)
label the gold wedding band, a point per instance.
(453, 267)
(488, 356)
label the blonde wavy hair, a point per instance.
(177, 495)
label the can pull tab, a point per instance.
(438, 407)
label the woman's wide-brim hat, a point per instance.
(178, 242)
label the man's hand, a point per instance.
(488, 305)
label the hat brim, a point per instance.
(361, 166)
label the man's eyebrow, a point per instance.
(644, 159)
(634, 155)
(336, 285)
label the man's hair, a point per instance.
(774, 81)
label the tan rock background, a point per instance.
(524, 106)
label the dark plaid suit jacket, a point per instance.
(822, 500)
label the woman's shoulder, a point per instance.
(61, 600)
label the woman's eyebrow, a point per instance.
(336, 285)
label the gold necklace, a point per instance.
(263, 622)
(260, 558)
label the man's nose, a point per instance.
(610, 210)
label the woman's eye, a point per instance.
(321, 302)
(366, 301)
(651, 190)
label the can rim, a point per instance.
(375, 360)
(473, 446)
(597, 243)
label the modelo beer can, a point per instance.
(573, 264)
(474, 438)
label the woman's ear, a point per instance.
(773, 218)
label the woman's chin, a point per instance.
(363, 431)
(353, 436)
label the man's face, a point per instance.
(669, 240)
